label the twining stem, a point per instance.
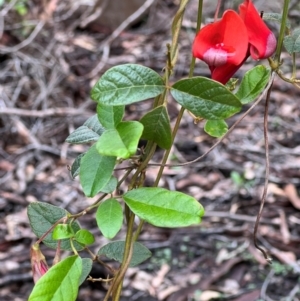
(281, 32)
(128, 250)
(267, 173)
(167, 153)
(294, 66)
(217, 10)
(176, 27)
(199, 20)
(116, 286)
(149, 151)
(180, 114)
(61, 220)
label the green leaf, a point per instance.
(75, 168)
(110, 186)
(42, 217)
(110, 116)
(253, 84)
(62, 231)
(84, 237)
(216, 128)
(205, 98)
(163, 208)
(109, 217)
(87, 265)
(95, 171)
(292, 42)
(60, 283)
(275, 17)
(157, 127)
(121, 142)
(115, 250)
(126, 84)
(90, 131)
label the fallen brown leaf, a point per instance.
(291, 193)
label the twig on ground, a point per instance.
(292, 294)
(265, 285)
(238, 217)
(44, 113)
(35, 32)
(106, 43)
(85, 20)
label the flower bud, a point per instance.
(38, 262)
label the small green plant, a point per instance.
(113, 142)
(281, 269)
(20, 6)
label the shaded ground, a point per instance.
(48, 65)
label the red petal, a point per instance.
(261, 38)
(222, 42)
(222, 74)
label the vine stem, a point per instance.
(180, 114)
(281, 32)
(61, 220)
(267, 173)
(167, 153)
(116, 286)
(217, 10)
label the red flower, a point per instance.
(262, 41)
(225, 44)
(38, 262)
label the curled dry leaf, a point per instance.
(292, 195)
